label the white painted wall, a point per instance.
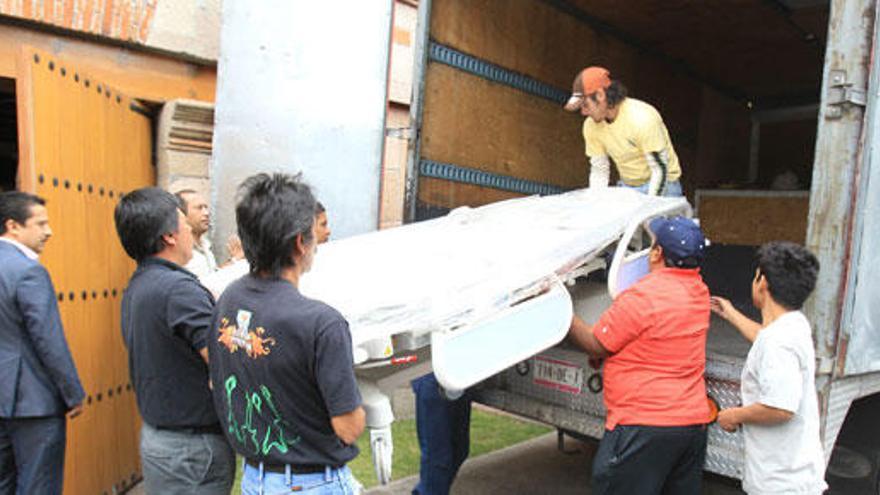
(302, 87)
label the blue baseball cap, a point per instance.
(682, 240)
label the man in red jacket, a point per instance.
(654, 340)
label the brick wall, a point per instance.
(184, 27)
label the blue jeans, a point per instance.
(673, 189)
(443, 428)
(32, 455)
(184, 463)
(330, 482)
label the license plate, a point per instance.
(558, 375)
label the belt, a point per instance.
(294, 468)
(194, 430)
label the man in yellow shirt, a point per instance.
(626, 130)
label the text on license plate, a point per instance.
(559, 375)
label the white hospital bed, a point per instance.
(484, 287)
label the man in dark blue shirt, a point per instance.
(166, 315)
(281, 363)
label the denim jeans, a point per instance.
(32, 455)
(330, 482)
(443, 427)
(673, 189)
(177, 462)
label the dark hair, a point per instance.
(181, 200)
(614, 94)
(271, 211)
(689, 263)
(319, 208)
(142, 217)
(16, 205)
(790, 271)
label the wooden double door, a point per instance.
(83, 145)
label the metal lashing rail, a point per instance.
(456, 173)
(468, 63)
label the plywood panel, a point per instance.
(445, 194)
(472, 122)
(82, 146)
(527, 36)
(753, 218)
(533, 38)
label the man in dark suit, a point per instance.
(38, 381)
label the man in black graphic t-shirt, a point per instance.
(281, 364)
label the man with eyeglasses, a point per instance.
(627, 131)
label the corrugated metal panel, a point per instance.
(861, 316)
(841, 396)
(837, 159)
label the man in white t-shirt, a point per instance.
(780, 411)
(198, 216)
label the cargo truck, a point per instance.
(771, 106)
(749, 90)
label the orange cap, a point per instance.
(595, 78)
(591, 79)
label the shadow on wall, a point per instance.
(8, 135)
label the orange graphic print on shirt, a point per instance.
(234, 337)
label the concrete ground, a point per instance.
(534, 467)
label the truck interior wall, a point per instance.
(479, 124)
(444, 196)
(678, 98)
(787, 147)
(476, 123)
(723, 143)
(723, 163)
(752, 220)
